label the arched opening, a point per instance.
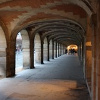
(22, 51)
(2, 54)
(72, 49)
(37, 49)
(19, 53)
(45, 49)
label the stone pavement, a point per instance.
(59, 79)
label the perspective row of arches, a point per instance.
(26, 53)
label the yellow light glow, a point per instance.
(72, 47)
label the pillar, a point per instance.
(98, 54)
(52, 49)
(37, 44)
(48, 51)
(31, 54)
(3, 47)
(10, 69)
(42, 52)
(45, 57)
(25, 49)
(94, 55)
(56, 49)
(88, 60)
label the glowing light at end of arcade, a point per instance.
(72, 47)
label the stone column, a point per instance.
(3, 47)
(37, 44)
(52, 49)
(31, 47)
(94, 55)
(58, 49)
(98, 55)
(2, 62)
(42, 52)
(10, 68)
(45, 46)
(31, 54)
(88, 54)
(83, 56)
(26, 49)
(79, 52)
(63, 50)
(48, 51)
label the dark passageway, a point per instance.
(59, 79)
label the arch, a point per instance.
(85, 5)
(61, 24)
(3, 47)
(70, 35)
(44, 22)
(67, 41)
(37, 48)
(22, 51)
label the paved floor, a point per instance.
(59, 79)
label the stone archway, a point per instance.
(3, 47)
(22, 51)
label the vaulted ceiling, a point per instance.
(62, 20)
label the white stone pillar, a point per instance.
(50, 49)
(45, 49)
(57, 49)
(54, 49)
(2, 54)
(37, 52)
(25, 49)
